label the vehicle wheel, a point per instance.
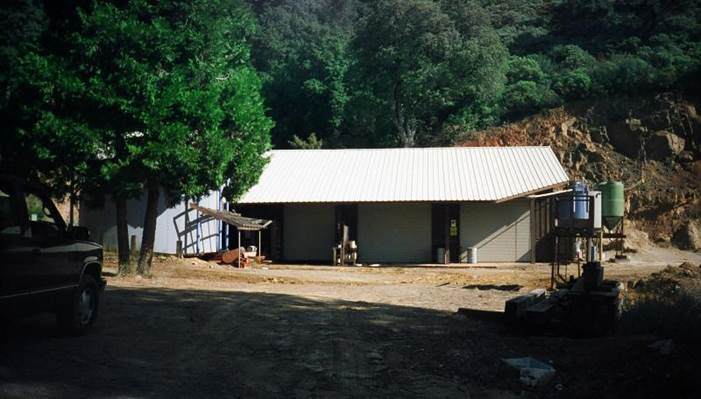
(80, 313)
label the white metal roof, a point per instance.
(406, 175)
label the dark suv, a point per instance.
(45, 265)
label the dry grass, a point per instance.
(666, 304)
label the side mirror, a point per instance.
(79, 233)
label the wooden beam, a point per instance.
(532, 192)
(446, 252)
(531, 220)
(187, 222)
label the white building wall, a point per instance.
(394, 232)
(501, 232)
(308, 232)
(202, 236)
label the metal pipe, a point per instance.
(549, 194)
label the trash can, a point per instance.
(472, 255)
(440, 255)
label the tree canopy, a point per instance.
(330, 66)
(140, 95)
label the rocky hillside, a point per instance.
(651, 144)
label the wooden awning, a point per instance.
(234, 219)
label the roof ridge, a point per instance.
(406, 174)
(405, 148)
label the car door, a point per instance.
(53, 267)
(17, 250)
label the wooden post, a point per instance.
(187, 223)
(531, 221)
(179, 249)
(555, 262)
(132, 245)
(259, 244)
(588, 257)
(239, 248)
(71, 205)
(446, 241)
(344, 242)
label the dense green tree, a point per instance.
(303, 54)
(311, 143)
(426, 61)
(40, 140)
(522, 25)
(528, 88)
(176, 82)
(144, 95)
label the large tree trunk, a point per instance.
(122, 237)
(149, 236)
(406, 127)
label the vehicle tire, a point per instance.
(80, 312)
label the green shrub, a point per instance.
(524, 68)
(525, 97)
(622, 74)
(571, 56)
(573, 85)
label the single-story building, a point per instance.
(400, 205)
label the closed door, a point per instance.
(394, 233)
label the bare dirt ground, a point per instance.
(198, 329)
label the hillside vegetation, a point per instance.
(424, 72)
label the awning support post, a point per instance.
(533, 229)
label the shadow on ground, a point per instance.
(161, 343)
(187, 343)
(501, 287)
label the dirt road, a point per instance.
(202, 330)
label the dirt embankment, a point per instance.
(651, 144)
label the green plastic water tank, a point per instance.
(612, 203)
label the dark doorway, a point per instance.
(271, 238)
(445, 230)
(347, 215)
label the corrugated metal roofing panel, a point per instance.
(405, 174)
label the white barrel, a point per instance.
(472, 255)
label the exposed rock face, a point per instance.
(652, 144)
(663, 145)
(626, 136)
(689, 235)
